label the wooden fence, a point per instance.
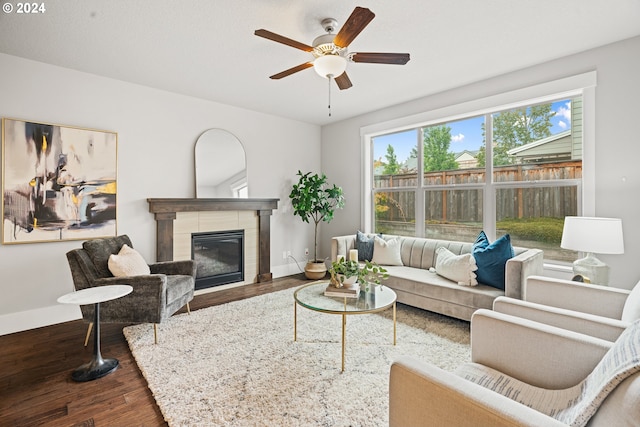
(466, 205)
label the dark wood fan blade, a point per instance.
(343, 81)
(282, 39)
(359, 19)
(380, 58)
(290, 71)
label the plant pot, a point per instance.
(315, 270)
(349, 280)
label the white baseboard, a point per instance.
(285, 270)
(31, 319)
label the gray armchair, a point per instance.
(155, 297)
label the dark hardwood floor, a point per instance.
(36, 388)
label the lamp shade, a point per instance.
(595, 235)
(330, 65)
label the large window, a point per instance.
(444, 180)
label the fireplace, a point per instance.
(219, 257)
(190, 215)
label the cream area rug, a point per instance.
(237, 364)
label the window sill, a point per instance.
(558, 270)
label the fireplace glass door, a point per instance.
(219, 257)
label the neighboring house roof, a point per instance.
(467, 159)
(466, 155)
(555, 147)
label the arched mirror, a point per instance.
(221, 166)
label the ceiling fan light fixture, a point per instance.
(330, 65)
(331, 51)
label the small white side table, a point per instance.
(98, 367)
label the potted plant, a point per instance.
(367, 274)
(314, 200)
(344, 272)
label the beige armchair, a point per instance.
(600, 311)
(519, 358)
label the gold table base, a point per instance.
(344, 324)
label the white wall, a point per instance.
(617, 185)
(156, 136)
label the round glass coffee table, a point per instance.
(312, 296)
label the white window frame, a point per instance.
(579, 85)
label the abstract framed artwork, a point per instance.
(58, 182)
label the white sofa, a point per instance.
(415, 285)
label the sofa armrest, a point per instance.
(146, 303)
(151, 286)
(587, 298)
(170, 268)
(422, 395)
(540, 355)
(340, 245)
(584, 323)
(518, 268)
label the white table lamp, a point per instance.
(592, 235)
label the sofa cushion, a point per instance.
(631, 309)
(128, 262)
(409, 281)
(364, 245)
(386, 252)
(459, 268)
(421, 252)
(491, 259)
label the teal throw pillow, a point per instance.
(491, 259)
(364, 245)
(482, 241)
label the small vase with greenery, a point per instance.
(313, 199)
(343, 272)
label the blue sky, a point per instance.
(465, 135)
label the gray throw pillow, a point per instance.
(364, 245)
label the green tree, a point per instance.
(314, 199)
(437, 157)
(392, 167)
(514, 128)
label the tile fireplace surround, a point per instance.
(176, 219)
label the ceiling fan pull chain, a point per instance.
(329, 78)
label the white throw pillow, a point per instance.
(386, 252)
(128, 262)
(631, 310)
(459, 268)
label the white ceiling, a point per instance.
(207, 49)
